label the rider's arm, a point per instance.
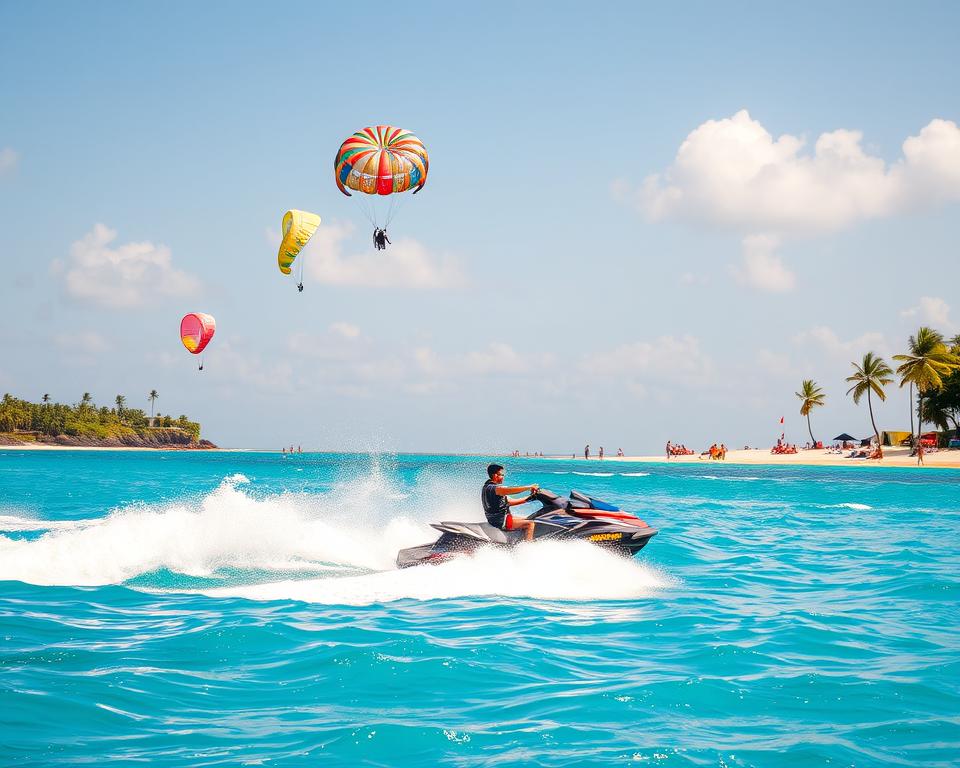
(503, 490)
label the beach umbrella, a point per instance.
(844, 438)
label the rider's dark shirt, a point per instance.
(496, 507)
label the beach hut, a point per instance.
(893, 438)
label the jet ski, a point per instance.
(560, 517)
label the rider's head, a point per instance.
(495, 472)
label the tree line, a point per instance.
(85, 418)
(931, 370)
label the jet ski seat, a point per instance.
(491, 532)
(578, 501)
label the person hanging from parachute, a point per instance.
(298, 228)
(380, 239)
(381, 162)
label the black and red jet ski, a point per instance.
(559, 517)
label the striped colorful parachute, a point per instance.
(298, 228)
(381, 161)
(196, 330)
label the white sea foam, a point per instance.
(226, 528)
(634, 474)
(572, 570)
(846, 505)
(594, 474)
(347, 537)
(12, 523)
(731, 478)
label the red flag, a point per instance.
(781, 419)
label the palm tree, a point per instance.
(46, 399)
(121, 401)
(872, 375)
(86, 400)
(924, 368)
(152, 397)
(811, 396)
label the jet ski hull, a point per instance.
(559, 518)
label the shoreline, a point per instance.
(893, 457)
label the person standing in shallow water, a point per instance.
(497, 502)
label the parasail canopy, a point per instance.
(381, 160)
(298, 228)
(196, 330)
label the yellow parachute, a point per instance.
(298, 228)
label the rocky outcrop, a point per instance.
(154, 438)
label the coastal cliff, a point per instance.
(164, 439)
(84, 425)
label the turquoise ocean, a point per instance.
(227, 609)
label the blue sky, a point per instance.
(642, 223)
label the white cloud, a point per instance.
(120, 277)
(88, 342)
(734, 172)
(666, 359)
(828, 340)
(497, 359)
(931, 310)
(774, 363)
(8, 160)
(404, 264)
(691, 278)
(346, 330)
(761, 267)
(233, 361)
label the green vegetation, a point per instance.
(811, 396)
(872, 375)
(930, 361)
(931, 368)
(85, 420)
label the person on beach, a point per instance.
(668, 450)
(919, 454)
(601, 453)
(497, 502)
(380, 239)
(586, 451)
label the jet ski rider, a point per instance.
(497, 502)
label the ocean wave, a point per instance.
(593, 474)
(634, 474)
(846, 505)
(730, 478)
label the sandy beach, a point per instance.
(892, 457)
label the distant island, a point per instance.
(84, 425)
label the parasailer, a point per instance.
(196, 330)
(381, 162)
(298, 228)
